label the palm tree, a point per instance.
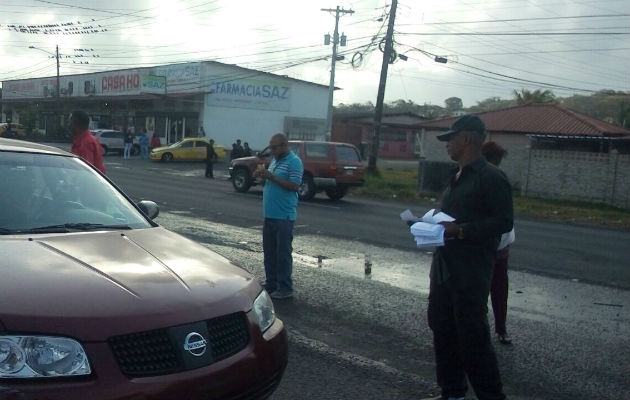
(537, 96)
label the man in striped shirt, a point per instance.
(281, 183)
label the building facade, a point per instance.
(219, 101)
(512, 127)
(399, 135)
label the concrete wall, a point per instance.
(571, 175)
(512, 165)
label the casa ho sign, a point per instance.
(120, 83)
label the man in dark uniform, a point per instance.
(479, 197)
(211, 157)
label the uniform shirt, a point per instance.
(86, 146)
(481, 203)
(278, 202)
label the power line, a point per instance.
(510, 33)
(520, 19)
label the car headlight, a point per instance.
(41, 357)
(263, 309)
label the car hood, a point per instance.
(99, 284)
(164, 148)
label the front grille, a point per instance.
(146, 353)
(228, 335)
(153, 352)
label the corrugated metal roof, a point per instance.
(547, 119)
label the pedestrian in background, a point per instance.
(494, 153)
(211, 157)
(247, 152)
(239, 148)
(280, 199)
(84, 143)
(144, 144)
(155, 141)
(234, 154)
(128, 141)
(479, 197)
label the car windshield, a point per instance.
(41, 191)
(176, 144)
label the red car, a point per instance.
(328, 166)
(99, 302)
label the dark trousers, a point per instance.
(278, 249)
(499, 290)
(461, 339)
(209, 170)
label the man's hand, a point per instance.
(451, 229)
(262, 174)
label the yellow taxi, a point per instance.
(16, 129)
(189, 149)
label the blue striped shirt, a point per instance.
(280, 203)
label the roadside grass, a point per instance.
(400, 184)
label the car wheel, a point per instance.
(167, 157)
(307, 188)
(104, 149)
(241, 180)
(336, 193)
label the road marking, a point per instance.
(319, 205)
(355, 359)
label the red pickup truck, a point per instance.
(328, 166)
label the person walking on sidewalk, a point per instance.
(280, 199)
(84, 144)
(128, 141)
(144, 144)
(479, 197)
(494, 153)
(211, 157)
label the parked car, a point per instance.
(328, 166)
(17, 129)
(189, 149)
(114, 141)
(97, 301)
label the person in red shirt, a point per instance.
(84, 144)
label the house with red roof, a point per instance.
(398, 133)
(523, 127)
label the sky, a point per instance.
(492, 47)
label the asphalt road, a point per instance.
(561, 250)
(358, 337)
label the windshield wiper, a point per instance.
(81, 226)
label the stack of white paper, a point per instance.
(427, 231)
(427, 234)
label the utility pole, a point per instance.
(378, 113)
(58, 85)
(331, 86)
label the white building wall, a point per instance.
(248, 115)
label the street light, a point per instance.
(56, 55)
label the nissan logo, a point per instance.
(195, 344)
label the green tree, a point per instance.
(28, 118)
(491, 103)
(453, 104)
(526, 96)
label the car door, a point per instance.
(317, 160)
(186, 151)
(199, 150)
(349, 169)
(117, 140)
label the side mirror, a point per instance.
(149, 208)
